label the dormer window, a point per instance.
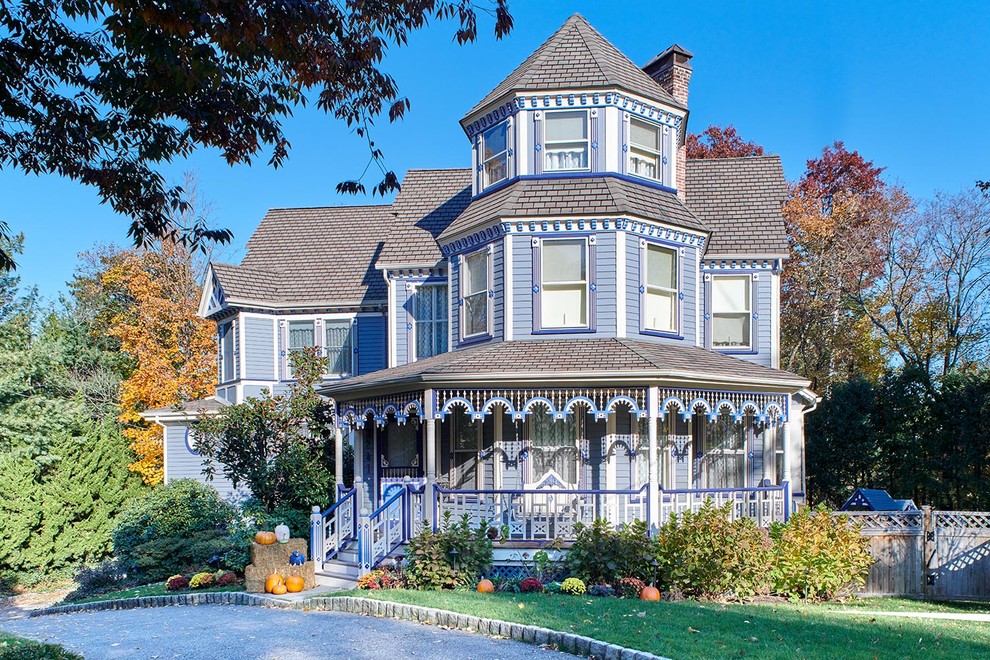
(645, 150)
(565, 141)
(495, 154)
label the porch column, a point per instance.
(652, 403)
(430, 450)
(338, 458)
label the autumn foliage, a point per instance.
(174, 351)
(720, 142)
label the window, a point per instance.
(301, 335)
(660, 310)
(339, 347)
(731, 311)
(645, 149)
(495, 154)
(474, 291)
(564, 289)
(553, 445)
(430, 309)
(725, 452)
(565, 141)
(227, 352)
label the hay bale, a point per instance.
(274, 558)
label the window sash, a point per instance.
(562, 151)
(563, 288)
(645, 160)
(339, 348)
(661, 305)
(474, 294)
(227, 351)
(732, 312)
(495, 154)
(430, 326)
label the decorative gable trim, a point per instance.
(212, 299)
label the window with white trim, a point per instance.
(339, 347)
(645, 149)
(553, 445)
(302, 334)
(565, 140)
(660, 308)
(725, 452)
(226, 352)
(474, 292)
(495, 154)
(564, 286)
(732, 311)
(430, 320)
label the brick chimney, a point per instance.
(672, 71)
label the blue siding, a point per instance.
(606, 283)
(256, 391)
(688, 258)
(371, 343)
(632, 285)
(762, 325)
(403, 314)
(259, 347)
(498, 287)
(689, 286)
(522, 287)
(183, 463)
(455, 300)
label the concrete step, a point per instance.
(340, 569)
(334, 583)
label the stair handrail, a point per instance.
(370, 555)
(337, 526)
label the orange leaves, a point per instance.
(174, 350)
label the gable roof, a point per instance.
(592, 195)
(875, 499)
(428, 202)
(740, 200)
(311, 256)
(579, 359)
(577, 56)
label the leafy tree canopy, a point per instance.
(102, 92)
(720, 142)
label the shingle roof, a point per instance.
(577, 359)
(312, 256)
(575, 196)
(187, 409)
(577, 57)
(429, 201)
(740, 200)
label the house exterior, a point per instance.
(582, 323)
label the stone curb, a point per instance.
(567, 642)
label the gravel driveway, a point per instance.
(240, 633)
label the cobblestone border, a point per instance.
(567, 642)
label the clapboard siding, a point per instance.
(606, 282)
(400, 329)
(181, 462)
(498, 289)
(632, 285)
(522, 287)
(259, 347)
(256, 391)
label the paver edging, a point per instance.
(568, 642)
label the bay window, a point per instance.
(565, 141)
(474, 292)
(645, 149)
(564, 286)
(430, 316)
(495, 154)
(731, 311)
(339, 347)
(660, 309)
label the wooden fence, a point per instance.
(928, 554)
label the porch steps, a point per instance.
(342, 572)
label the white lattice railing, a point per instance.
(885, 523)
(532, 515)
(765, 505)
(962, 520)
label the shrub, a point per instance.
(573, 586)
(553, 587)
(109, 575)
(705, 554)
(457, 555)
(600, 554)
(601, 590)
(227, 579)
(177, 583)
(531, 585)
(381, 579)
(201, 580)
(174, 527)
(629, 587)
(820, 556)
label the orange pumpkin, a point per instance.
(486, 587)
(265, 538)
(295, 583)
(649, 593)
(279, 589)
(273, 581)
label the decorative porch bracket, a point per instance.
(765, 406)
(560, 402)
(402, 406)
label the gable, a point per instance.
(212, 299)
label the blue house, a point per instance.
(582, 323)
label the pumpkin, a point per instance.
(295, 583)
(486, 587)
(273, 581)
(649, 593)
(279, 589)
(264, 538)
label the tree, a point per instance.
(174, 351)
(101, 93)
(718, 142)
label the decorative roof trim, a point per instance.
(748, 263)
(402, 272)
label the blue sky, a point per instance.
(905, 83)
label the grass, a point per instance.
(157, 589)
(12, 647)
(690, 629)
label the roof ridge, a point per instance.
(580, 23)
(324, 208)
(760, 157)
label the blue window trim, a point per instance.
(753, 348)
(591, 245)
(510, 169)
(679, 253)
(489, 332)
(667, 149)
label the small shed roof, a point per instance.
(870, 499)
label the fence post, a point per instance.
(927, 549)
(365, 546)
(316, 536)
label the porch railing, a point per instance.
(545, 514)
(384, 530)
(764, 504)
(332, 530)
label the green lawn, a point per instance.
(157, 589)
(691, 629)
(18, 648)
